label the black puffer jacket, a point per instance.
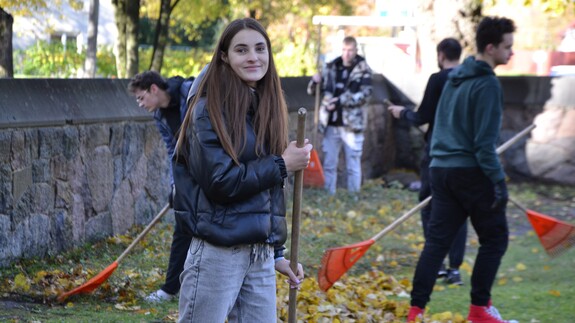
(221, 202)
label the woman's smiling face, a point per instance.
(248, 56)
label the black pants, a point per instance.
(459, 193)
(178, 252)
(457, 250)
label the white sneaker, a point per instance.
(159, 296)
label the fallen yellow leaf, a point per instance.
(520, 266)
(21, 283)
(555, 292)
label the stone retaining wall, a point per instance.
(63, 186)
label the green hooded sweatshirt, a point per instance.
(468, 119)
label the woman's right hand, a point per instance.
(297, 158)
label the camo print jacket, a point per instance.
(354, 99)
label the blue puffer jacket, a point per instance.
(224, 203)
(178, 89)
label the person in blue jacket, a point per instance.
(467, 178)
(231, 163)
(166, 99)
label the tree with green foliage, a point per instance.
(6, 60)
(91, 50)
(127, 13)
(195, 16)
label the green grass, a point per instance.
(531, 287)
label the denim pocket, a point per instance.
(196, 246)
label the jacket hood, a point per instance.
(174, 84)
(470, 68)
(194, 89)
(338, 61)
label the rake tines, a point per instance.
(336, 262)
(555, 235)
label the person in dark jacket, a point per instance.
(232, 159)
(467, 179)
(448, 54)
(166, 99)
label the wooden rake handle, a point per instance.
(296, 214)
(143, 233)
(423, 203)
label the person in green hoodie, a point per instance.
(467, 179)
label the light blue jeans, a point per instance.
(235, 282)
(352, 142)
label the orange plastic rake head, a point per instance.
(556, 236)
(337, 261)
(91, 284)
(313, 174)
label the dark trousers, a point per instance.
(178, 252)
(457, 250)
(459, 193)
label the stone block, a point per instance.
(137, 177)
(146, 209)
(70, 142)
(544, 158)
(20, 152)
(547, 123)
(117, 138)
(36, 238)
(122, 209)
(5, 144)
(50, 142)
(99, 174)
(567, 127)
(5, 240)
(22, 180)
(62, 168)
(133, 147)
(6, 196)
(60, 228)
(78, 215)
(32, 142)
(64, 198)
(99, 226)
(41, 171)
(97, 135)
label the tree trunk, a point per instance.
(90, 62)
(438, 19)
(6, 59)
(120, 14)
(161, 36)
(133, 19)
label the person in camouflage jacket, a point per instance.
(345, 87)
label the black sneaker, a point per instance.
(453, 277)
(442, 271)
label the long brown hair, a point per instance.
(229, 99)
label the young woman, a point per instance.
(229, 169)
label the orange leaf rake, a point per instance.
(100, 278)
(555, 236)
(337, 261)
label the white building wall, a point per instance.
(62, 19)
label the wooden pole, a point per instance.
(296, 213)
(317, 90)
